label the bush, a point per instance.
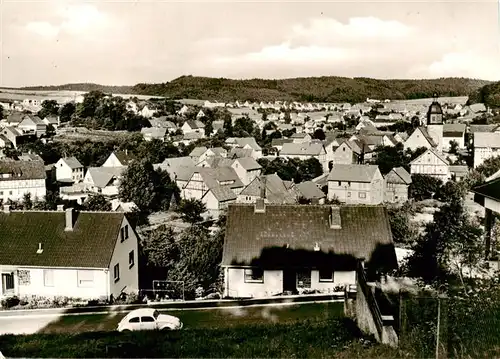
(10, 302)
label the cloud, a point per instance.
(469, 64)
(74, 19)
(324, 40)
(42, 28)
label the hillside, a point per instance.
(488, 94)
(85, 87)
(312, 89)
(319, 89)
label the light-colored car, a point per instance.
(148, 319)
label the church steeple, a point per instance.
(435, 112)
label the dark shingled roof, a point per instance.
(364, 230)
(21, 170)
(89, 245)
(490, 189)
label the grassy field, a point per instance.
(208, 319)
(334, 337)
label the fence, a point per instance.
(165, 290)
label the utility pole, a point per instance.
(438, 327)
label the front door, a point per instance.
(7, 283)
(289, 280)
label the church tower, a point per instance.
(434, 123)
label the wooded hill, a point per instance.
(307, 89)
(488, 94)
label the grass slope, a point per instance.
(326, 339)
(314, 89)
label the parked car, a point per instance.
(148, 319)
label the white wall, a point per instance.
(396, 192)
(65, 283)
(112, 161)
(481, 154)
(129, 277)
(357, 192)
(339, 278)
(63, 171)
(235, 286)
(16, 189)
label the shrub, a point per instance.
(10, 302)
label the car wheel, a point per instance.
(166, 329)
(126, 331)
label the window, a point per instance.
(10, 193)
(48, 277)
(349, 183)
(116, 272)
(85, 278)
(362, 194)
(325, 275)
(134, 320)
(339, 183)
(122, 234)
(304, 278)
(343, 149)
(348, 194)
(1, 193)
(131, 259)
(126, 231)
(254, 275)
(147, 319)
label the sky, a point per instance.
(128, 42)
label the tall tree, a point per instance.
(191, 210)
(49, 108)
(97, 202)
(66, 112)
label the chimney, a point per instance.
(260, 206)
(263, 184)
(334, 218)
(40, 248)
(6, 208)
(69, 219)
(60, 207)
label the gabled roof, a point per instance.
(398, 175)
(124, 157)
(30, 157)
(240, 152)
(154, 132)
(364, 231)
(309, 190)
(15, 117)
(102, 176)
(35, 119)
(250, 141)
(214, 179)
(490, 189)
(426, 135)
(195, 124)
(21, 170)
(72, 162)
(482, 128)
(198, 151)
(218, 151)
(353, 173)
(302, 149)
(249, 163)
(217, 161)
(434, 152)
(89, 245)
(454, 129)
(275, 192)
(178, 168)
(191, 136)
(487, 139)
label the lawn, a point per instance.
(333, 337)
(208, 318)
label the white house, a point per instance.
(265, 247)
(33, 124)
(20, 177)
(246, 143)
(119, 159)
(247, 169)
(215, 187)
(431, 163)
(453, 132)
(356, 184)
(193, 126)
(419, 138)
(486, 145)
(103, 180)
(397, 182)
(69, 169)
(304, 151)
(90, 255)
